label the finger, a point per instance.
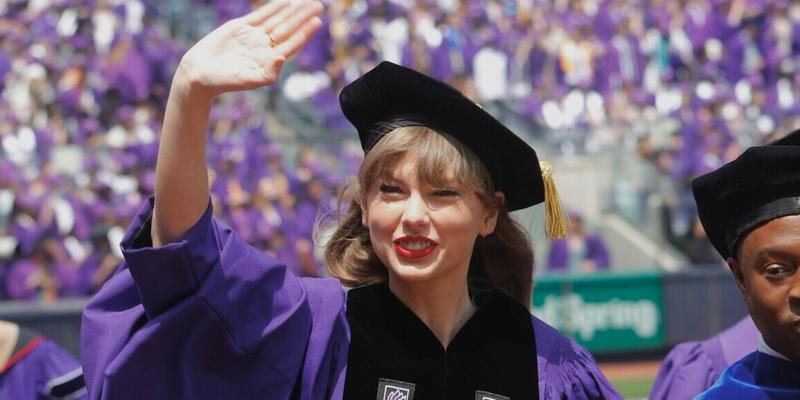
(282, 26)
(299, 37)
(283, 15)
(294, 24)
(261, 14)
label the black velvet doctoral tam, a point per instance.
(391, 96)
(760, 185)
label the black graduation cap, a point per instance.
(391, 96)
(792, 139)
(760, 185)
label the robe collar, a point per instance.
(393, 353)
(764, 348)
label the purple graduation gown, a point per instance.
(692, 367)
(16, 277)
(559, 258)
(211, 317)
(40, 369)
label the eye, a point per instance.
(388, 189)
(445, 192)
(778, 270)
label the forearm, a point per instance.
(181, 171)
(244, 53)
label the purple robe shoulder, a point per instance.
(692, 367)
(566, 369)
(212, 317)
(39, 369)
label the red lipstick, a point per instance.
(414, 246)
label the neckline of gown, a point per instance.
(381, 305)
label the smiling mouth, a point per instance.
(414, 248)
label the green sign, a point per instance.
(604, 312)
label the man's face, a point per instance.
(766, 273)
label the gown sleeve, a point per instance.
(210, 317)
(62, 373)
(567, 370)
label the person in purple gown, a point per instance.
(127, 70)
(30, 279)
(692, 367)
(33, 368)
(580, 251)
(441, 275)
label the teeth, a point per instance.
(414, 245)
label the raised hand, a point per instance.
(248, 52)
(243, 53)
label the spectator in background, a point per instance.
(33, 368)
(580, 251)
(32, 278)
(698, 248)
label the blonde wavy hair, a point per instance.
(503, 259)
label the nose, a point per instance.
(416, 210)
(794, 293)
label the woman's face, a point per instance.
(424, 233)
(767, 275)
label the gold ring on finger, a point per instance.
(272, 41)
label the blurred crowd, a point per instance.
(83, 91)
(723, 70)
(686, 84)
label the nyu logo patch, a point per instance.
(395, 390)
(481, 395)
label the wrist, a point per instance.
(188, 84)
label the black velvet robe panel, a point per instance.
(394, 355)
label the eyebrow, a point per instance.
(390, 177)
(774, 252)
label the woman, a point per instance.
(197, 313)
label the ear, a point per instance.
(361, 204)
(490, 221)
(364, 219)
(738, 275)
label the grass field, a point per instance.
(632, 379)
(635, 387)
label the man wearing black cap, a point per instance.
(750, 209)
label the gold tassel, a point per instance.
(556, 221)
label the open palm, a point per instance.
(248, 52)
